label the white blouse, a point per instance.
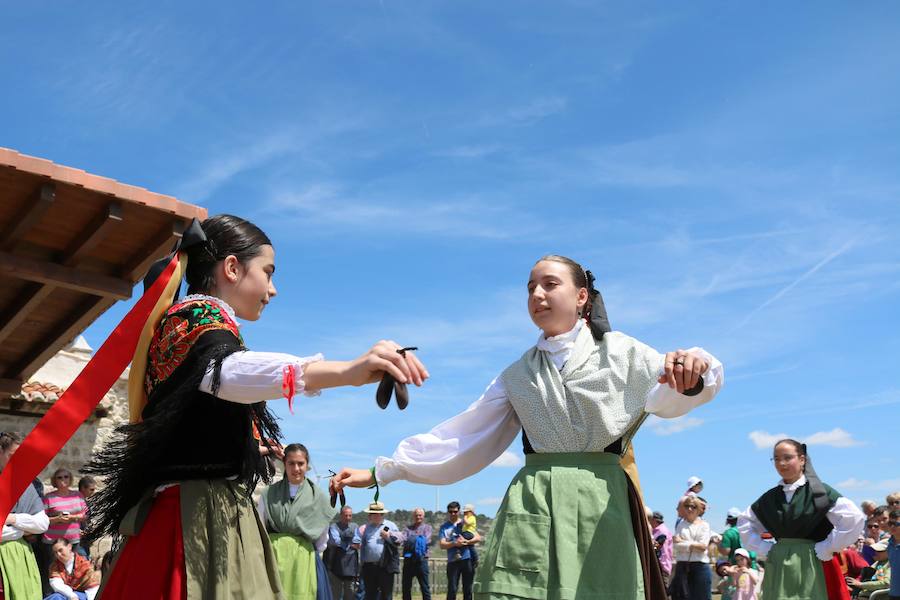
(848, 521)
(467, 443)
(248, 377)
(697, 532)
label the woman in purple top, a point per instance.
(66, 508)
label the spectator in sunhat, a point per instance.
(694, 486)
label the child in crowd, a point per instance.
(469, 529)
(744, 577)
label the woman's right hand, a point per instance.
(384, 357)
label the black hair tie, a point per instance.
(598, 321)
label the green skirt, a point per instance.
(21, 578)
(296, 560)
(563, 532)
(227, 554)
(794, 572)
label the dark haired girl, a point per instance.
(572, 524)
(296, 513)
(797, 526)
(179, 477)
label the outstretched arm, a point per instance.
(249, 377)
(451, 451)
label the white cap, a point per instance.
(742, 552)
(694, 481)
(734, 513)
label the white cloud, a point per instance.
(836, 438)
(853, 484)
(763, 439)
(885, 485)
(508, 459)
(670, 426)
(492, 501)
(538, 108)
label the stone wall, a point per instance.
(61, 370)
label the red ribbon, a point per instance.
(80, 399)
(289, 385)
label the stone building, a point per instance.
(21, 412)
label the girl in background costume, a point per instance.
(297, 513)
(572, 524)
(20, 577)
(808, 522)
(179, 477)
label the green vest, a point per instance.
(795, 519)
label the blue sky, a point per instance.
(728, 171)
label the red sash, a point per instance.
(81, 398)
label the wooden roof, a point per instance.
(71, 245)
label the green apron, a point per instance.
(21, 578)
(563, 532)
(296, 560)
(794, 572)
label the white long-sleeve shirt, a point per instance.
(848, 521)
(465, 444)
(697, 532)
(26, 524)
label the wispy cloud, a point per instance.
(805, 275)
(332, 205)
(672, 426)
(508, 459)
(884, 485)
(538, 109)
(836, 438)
(490, 501)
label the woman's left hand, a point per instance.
(346, 477)
(683, 370)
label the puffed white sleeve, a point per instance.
(322, 542)
(667, 403)
(457, 448)
(751, 531)
(25, 524)
(248, 377)
(848, 521)
(261, 509)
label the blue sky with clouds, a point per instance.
(728, 171)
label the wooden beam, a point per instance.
(28, 300)
(42, 271)
(93, 234)
(64, 331)
(35, 293)
(10, 386)
(30, 214)
(159, 245)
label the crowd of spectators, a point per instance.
(363, 560)
(695, 559)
